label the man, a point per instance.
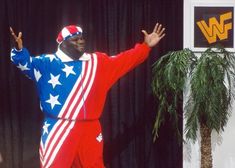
(72, 87)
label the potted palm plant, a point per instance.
(210, 93)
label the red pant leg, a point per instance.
(90, 149)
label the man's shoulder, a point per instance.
(100, 54)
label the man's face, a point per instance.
(74, 46)
(77, 42)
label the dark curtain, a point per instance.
(110, 26)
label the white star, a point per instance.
(53, 101)
(12, 55)
(37, 75)
(68, 70)
(23, 67)
(54, 80)
(50, 56)
(45, 128)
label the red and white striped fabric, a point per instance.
(67, 32)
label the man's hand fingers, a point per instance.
(161, 31)
(156, 27)
(18, 39)
(11, 30)
(19, 35)
(162, 35)
(144, 32)
(13, 33)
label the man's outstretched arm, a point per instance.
(125, 61)
(20, 56)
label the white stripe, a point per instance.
(41, 160)
(40, 150)
(65, 32)
(54, 141)
(79, 29)
(82, 102)
(41, 146)
(78, 95)
(60, 143)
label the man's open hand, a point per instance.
(17, 39)
(153, 39)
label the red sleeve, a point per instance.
(118, 65)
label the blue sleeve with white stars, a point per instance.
(26, 63)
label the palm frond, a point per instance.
(168, 82)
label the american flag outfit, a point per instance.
(72, 94)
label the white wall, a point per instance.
(223, 145)
(224, 154)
